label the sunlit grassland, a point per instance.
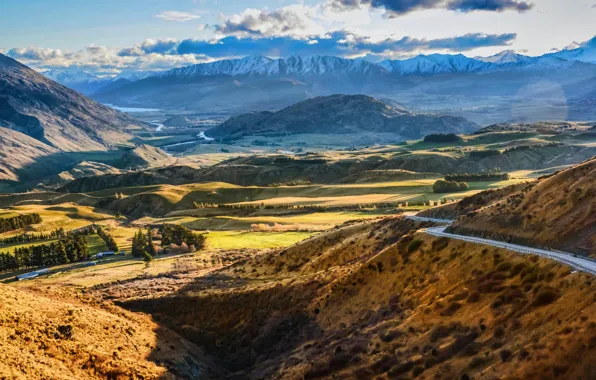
(68, 216)
(255, 240)
(96, 244)
(314, 221)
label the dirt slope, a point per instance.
(46, 337)
(558, 212)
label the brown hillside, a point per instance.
(45, 337)
(474, 202)
(380, 300)
(558, 212)
(56, 115)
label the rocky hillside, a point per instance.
(54, 336)
(55, 115)
(340, 114)
(18, 151)
(557, 212)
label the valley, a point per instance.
(298, 234)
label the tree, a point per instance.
(150, 246)
(147, 257)
(139, 244)
(442, 186)
(61, 253)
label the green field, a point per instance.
(255, 240)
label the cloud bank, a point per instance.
(169, 53)
(396, 8)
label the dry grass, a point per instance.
(44, 336)
(376, 299)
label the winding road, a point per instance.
(577, 263)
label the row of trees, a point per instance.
(478, 177)
(107, 238)
(72, 249)
(314, 208)
(442, 186)
(19, 221)
(29, 238)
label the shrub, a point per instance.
(545, 297)
(440, 244)
(505, 355)
(477, 362)
(414, 245)
(442, 186)
(473, 297)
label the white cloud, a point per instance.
(294, 20)
(177, 16)
(104, 61)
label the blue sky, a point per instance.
(110, 36)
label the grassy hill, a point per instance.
(557, 212)
(340, 114)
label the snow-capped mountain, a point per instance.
(71, 76)
(318, 66)
(585, 53)
(133, 76)
(88, 84)
(436, 64)
(507, 57)
(78, 80)
(263, 66)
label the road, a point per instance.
(576, 263)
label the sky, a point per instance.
(112, 36)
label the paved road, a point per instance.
(577, 263)
(423, 219)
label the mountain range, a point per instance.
(485, 89)
(87, 83)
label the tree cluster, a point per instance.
(108, 239)
(142, 245)
(29, 238)
(20, 221)
(178, 235)
(72, 249)
(442, 186)
(290, 183)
